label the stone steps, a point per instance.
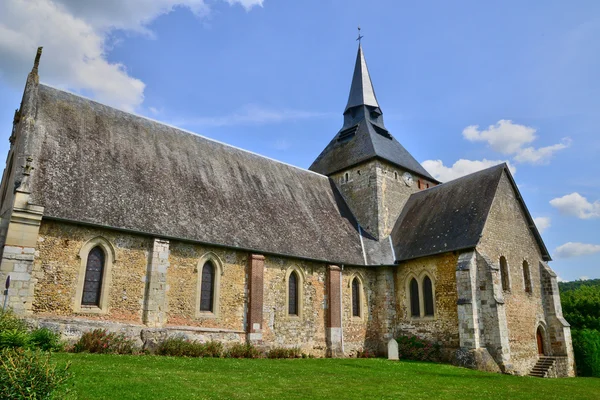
(540, 370)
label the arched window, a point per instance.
(504, 274)
(293, 294)
(355, 297)
(415, 309)
(207, 289)
(428, 296)
(526, 277)
(346, 176)
(94, 272)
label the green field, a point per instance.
(153, 377)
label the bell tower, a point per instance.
(374, 173)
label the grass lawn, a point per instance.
(153, 377)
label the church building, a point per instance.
(111, 220)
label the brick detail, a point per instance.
(256, 270)
(334, 317)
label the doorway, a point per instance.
(540, 341)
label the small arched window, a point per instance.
(346, 177)
(504, 274)
(94, 272)
(355, 297)
(415, 309)
(293, 294)
(428, 296)
(207, 289)
(526, 277)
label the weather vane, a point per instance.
(359, 36)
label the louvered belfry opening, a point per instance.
(415, 310)
(207, 288)
(293, 294)
(94, 271)
(355, 298)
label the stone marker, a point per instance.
(392, 349)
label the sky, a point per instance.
(463, 85)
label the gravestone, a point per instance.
(392, 347)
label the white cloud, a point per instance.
(572, 249)
(542, 223)
(583, 278)
(559, 279)
(542, 155)
(504, 137)
(75, 35)
(509, 138)
(576, 205)
(249, 115)
(460, 168)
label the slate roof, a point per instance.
(98, 165)
(361, 90)
(451, 216)
(364, 136)
(366, 144)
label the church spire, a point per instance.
(361, 91)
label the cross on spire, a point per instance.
(359, 36)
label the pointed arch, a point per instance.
(428, 297)
(97, 257)
(504, 274)
(527, 277)
(415, 307)
(294, 283)
(358, 302)
(208, 274)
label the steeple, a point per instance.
(361, 91)
(363, 136)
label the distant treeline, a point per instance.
(581, 308)
(566, 286)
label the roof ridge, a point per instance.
(183, 130)
(488, 169)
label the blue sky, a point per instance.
(462, 85)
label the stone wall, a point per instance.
(186, 261)
(376, 193)
(507, 234)
(360, 332)
(306, 330)
(442, 328)
(57, 267)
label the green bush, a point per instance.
(45, 339)
(26, 374)
(180, 347)
(101, 341)
(14, 338)
(413, 348)
(243, 350)
(9, 321)
(282, 352)
(586, 346)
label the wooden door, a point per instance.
(540, 342)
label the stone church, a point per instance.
(112, 220)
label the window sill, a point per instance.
(91, 310)
(427, 318)
(206, 315)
